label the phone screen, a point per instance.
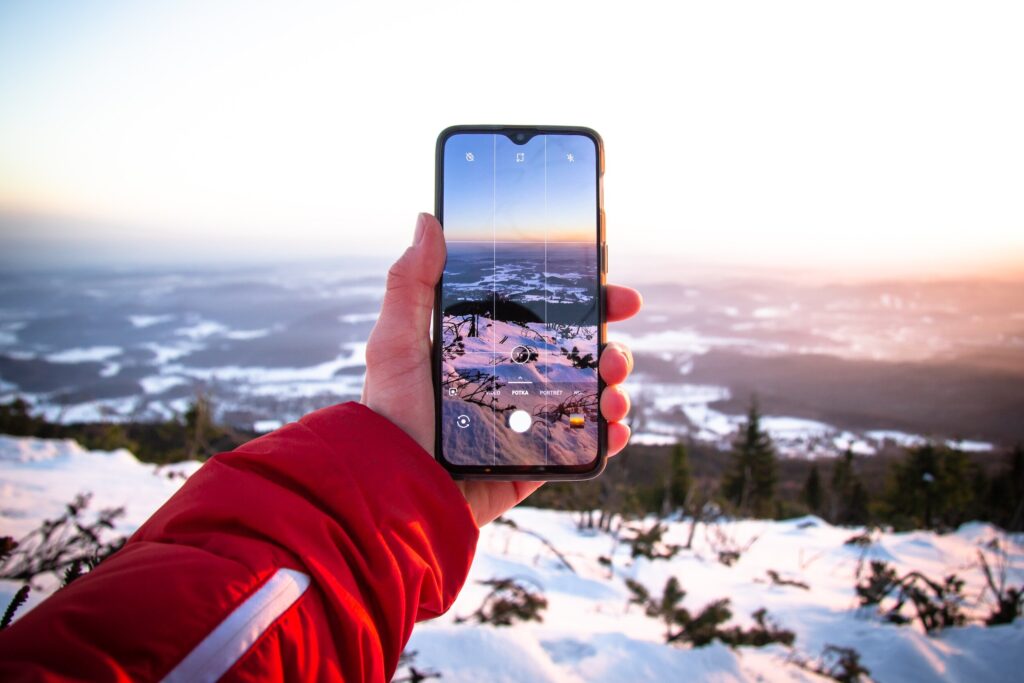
(519, 299)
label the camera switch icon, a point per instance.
(462, 421)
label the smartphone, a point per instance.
(519, 321)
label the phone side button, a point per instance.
(604, 258)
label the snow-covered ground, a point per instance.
(588, 632)
(671, 412)
(38, 477)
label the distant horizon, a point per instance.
(365, 264)
(141, 133)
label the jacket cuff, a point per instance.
(406, 490)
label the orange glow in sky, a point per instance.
(856, 139)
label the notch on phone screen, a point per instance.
(519, 301)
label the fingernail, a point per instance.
(421, 229)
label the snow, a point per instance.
(38, 477)
(769, 312)
(353, 318)
(158, 384)
(848, 441)
(780, 427)
(142, 321)
(971, 446)
(90, 354)
(167, 352)
(709, 420)
(247, 334)
(669, 396)
(102, 410)
(899, 438)
(354, 355)
(201, 330)
(264, 426)
(679, 340)
(589, 633)
(915, 440)
(652, 439)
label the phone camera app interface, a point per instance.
(519, 328)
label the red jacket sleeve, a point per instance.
(307, 554)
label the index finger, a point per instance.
(622, 302)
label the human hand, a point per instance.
(399, 382)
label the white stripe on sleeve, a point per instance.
(233, 637)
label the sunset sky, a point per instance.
(491, 193)
(851, 139)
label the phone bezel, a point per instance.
(525, 472)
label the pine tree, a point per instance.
(1016, 477)
(848, 499)
(750, 482)
(842, 478)
(932, 486)
(677, 488)
(1005, 499)
(857, 510)
(812, 493)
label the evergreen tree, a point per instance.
(1016, 477)
(857, 510)
(931, 487)
(750, 482)
(200, 429)
(1005, 499)
(812, 493)
(679, 480)
(848, 498)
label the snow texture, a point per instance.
(588, 632)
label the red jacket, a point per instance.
(307, 554)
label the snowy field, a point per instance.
(589, 632)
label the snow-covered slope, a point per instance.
(38, 477)
(588, 632)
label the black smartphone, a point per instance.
(519, 320)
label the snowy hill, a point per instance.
(38, 477)
(589, 632)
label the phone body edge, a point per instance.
(525, 473)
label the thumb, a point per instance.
(402, 330)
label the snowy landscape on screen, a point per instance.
(589, 631)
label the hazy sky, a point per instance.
(857, 139)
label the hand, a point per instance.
(398, 364)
